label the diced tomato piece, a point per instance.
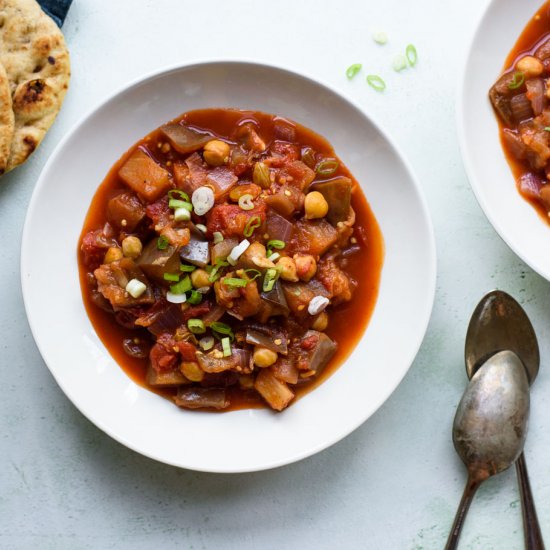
(159, 212)
(93, 247)
(196, 311)
(144, 176)
(231, 220)
(188, 351)
(309, 343)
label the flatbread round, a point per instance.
(36, 61)
(6, 120)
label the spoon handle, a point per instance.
(467, 497)
(531, 527)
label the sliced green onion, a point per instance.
(517, 82)
(547, 128)
(135, 288)
(182, 287)
(273, 257)
(327, 167)
(308, 157)
(276, 243)
(206, 343)
(260, 175)
(221, 328)
(399, 63)
(162, 243)
(196, 326)
(226, 346)
(234, 282)
(380, 37)
(245, 201)
(255, 274)
(175, 204)
(352, 70)
(253, 223)
(182, 215)
(187, 268)
(412, 55)
(195, 297)
(177, 194)
(174, 277)
(376, 82)
(217, 237)
(202, 228)
(238, 251)
(271, 276)
(215, 270)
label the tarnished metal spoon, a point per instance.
(500, 323)
(490, 426)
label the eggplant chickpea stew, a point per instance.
(230, 260)
(521, 99)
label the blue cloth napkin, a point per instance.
(56, 9)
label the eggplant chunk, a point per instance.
(267, 337)
(201, 398)
(337, 193)
(274, 391)
(166, 379)
(183, 139)
(315, 350)
(501, 95)
(197, 252)
(276, 301)
(155, 263)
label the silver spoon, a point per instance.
(499, 323)
(490, 426)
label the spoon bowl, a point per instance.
(490, 426)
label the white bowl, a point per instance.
(491, 178)
(245, 440)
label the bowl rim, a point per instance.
(423, 210)
(475, 184)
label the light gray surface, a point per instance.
(396, 481)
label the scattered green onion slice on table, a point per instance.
(162, 243)
(182, 287)
(196, 326)
(412, 55)
(234, 282)
(253, 223)
(187, 268)
(195, 297)
(177, 194)
(517, 82)
(226, 347)
(380, 37)
(174, 277)
(327, 167)
(374, 81)
(352, 70)
(271, 276)
(399, 63)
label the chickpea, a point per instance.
(264, 357)
(321, 322)
(131, 247)
(192, 371)
(112, 255)
(306, 266)
(200, 278)
(530, 66)
(315, 205)
(287, 269)
(216, 152)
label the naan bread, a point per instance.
(6, 120)
(36, 60)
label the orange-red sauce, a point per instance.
(536, 32)
(347, 321)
